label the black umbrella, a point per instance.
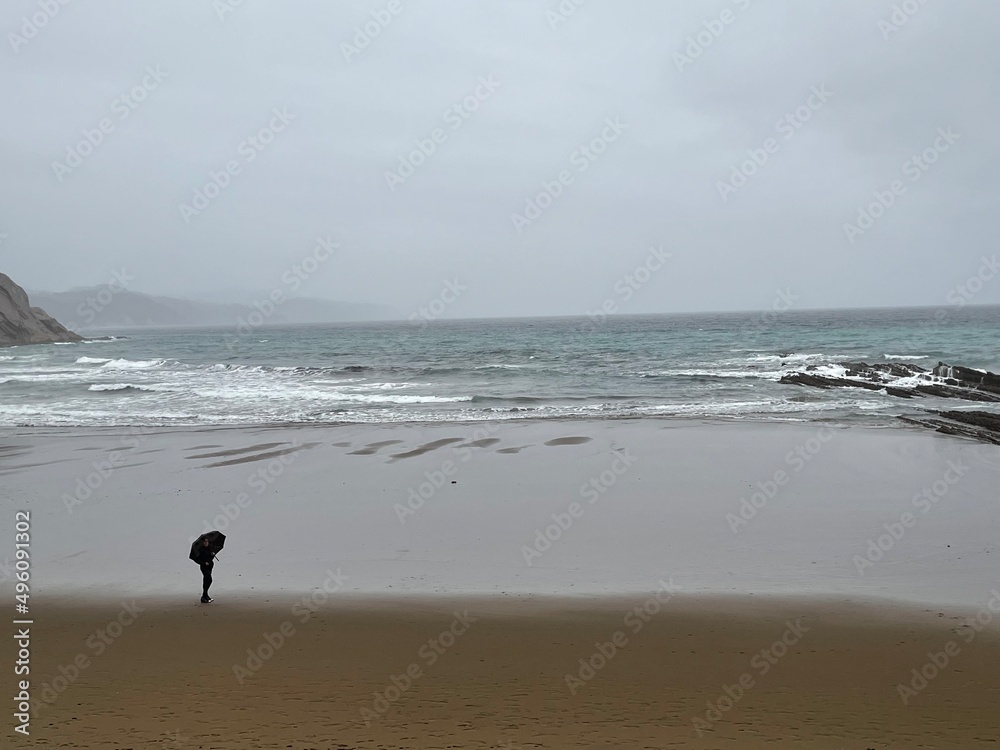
(216, 541)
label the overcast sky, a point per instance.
(200, 80)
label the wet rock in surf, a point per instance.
(905, 380)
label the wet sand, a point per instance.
(858, 554)
(549, 508)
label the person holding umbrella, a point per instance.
(203, 552)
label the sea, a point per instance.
(724, 366)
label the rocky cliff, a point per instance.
(20, 323)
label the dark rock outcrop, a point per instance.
(824, 381)
(982, 419)
(910, 381)
(968, 378)
(20, 323)
(978, 425)
(944, 381)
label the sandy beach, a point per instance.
(515, 674)
(532, 584)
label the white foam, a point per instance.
(888, 379)
(361, 398)
(830, 371)
(92, 361)
(374, 386)
(730, 408)
(128, 364)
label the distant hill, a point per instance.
(20, 323)
(95, 308)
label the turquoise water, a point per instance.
(723, 365)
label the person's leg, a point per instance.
(206, 580)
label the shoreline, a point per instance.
(916, 421)
(871, 611)
(893, 422)
(513, 605)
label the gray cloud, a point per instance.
(559, 80)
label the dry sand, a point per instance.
(168, 680)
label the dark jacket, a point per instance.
(205, 556)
